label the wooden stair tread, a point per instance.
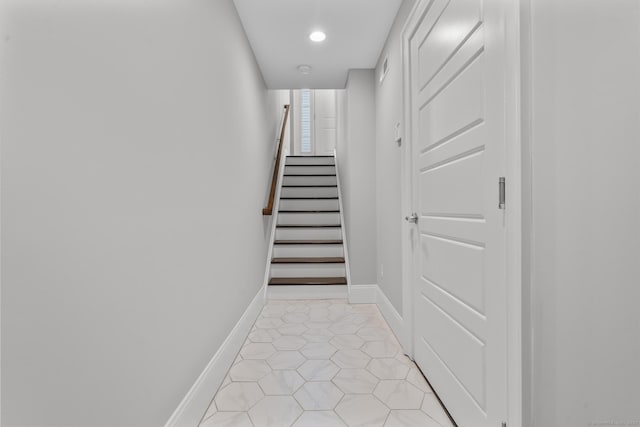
(308, 242)
(309, 174)
(309, 226)
(308, 260)
(309, 198)
(308, 281)
(309, 186)
(309, 211)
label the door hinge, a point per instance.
(501, 193)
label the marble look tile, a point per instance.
(416, 378)
(318, 396)
(366, 308)
(289, 342)
(275, 411)
(257, 351)
(351, 359)
(318, 325)
(269, 323)
(342, 328)
(249, 370)
(238, 397)
(337, 317)
(318, 335)
(356, 318)
(319, 419)
(362, 410)
(404, 359)
(228, 419)
(381, 348)
(212, 409)
(226, 382)
(318, 350)
(274, 310)
(341, 307)
(292, 329)
(399, 394)
(369, 333)
(345, 342)
(409, 418)
(388, 369)
(431, 406)
(264, 335)
(332, 334)
(286, 360)
(318, 314)
(298, 308)
(355, 381)
(281, 383)
(295, 318)
(318, 370)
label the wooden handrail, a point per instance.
(274, 181)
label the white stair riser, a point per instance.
(308, 219)
(289, 251)
(308, 234)
(310, 161)
(310, 170)
(309, 192)
(309, 180)
(307, 270)
(309, 205)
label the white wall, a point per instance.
(137, 141)
(356, 160)
(389, 111)
(584, 118)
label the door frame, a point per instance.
(513, 213)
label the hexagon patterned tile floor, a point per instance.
(323, 363)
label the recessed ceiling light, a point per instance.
(304, 69)
(317, 36)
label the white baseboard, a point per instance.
(393, 318)
(363, 294)
(195, 403)
(307, 292)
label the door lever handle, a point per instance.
(413, 219)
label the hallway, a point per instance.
(323, 363)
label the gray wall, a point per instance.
(389, 111)
(137, 141)
(582, 122)
(356, 157)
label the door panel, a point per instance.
(454, 109)
(325, 122)
(441, 263)
(457, 21)
(453, 188)
(456, 57)
(465, 362)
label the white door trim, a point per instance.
(513, 212)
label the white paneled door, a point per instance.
(456, 86)
(325, 122)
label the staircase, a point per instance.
(308, 248)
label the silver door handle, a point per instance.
(413, 219)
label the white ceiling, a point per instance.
(278, 31)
